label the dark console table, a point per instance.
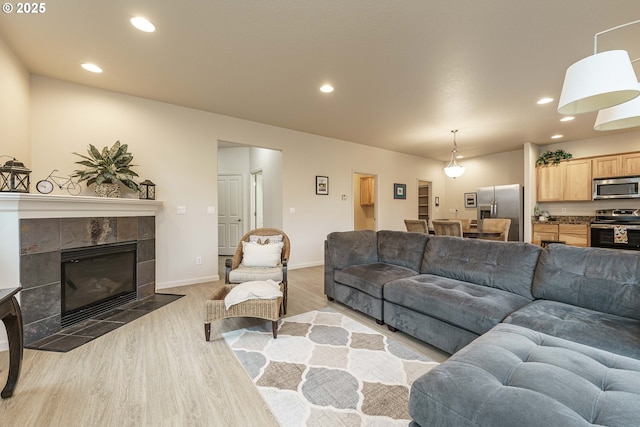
(12, 319)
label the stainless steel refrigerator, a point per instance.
(503, 201)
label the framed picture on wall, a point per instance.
(322, 185)
(399, 191)
(470, 200)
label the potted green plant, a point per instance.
(552, 157)
(106, 169)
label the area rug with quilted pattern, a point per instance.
(328, 369)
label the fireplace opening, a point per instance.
(96, 279)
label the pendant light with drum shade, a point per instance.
(606, 82)
(600, 81)
(453, 169)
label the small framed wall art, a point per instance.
(470, 200)
(322, 185)
(399, 191)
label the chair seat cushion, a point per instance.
(246, 274)
(513, 376)
(257, 289)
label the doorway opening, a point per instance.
(424, 200)
(364, 201)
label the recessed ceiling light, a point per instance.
(567, 119)
(557, 136)
(543, 101)
(143, 24)
(459, 156)
(92, 67)
(326, 88)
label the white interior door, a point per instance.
(230, 221)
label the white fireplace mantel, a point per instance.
(22, 206)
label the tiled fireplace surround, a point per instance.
(43, 240)
(63, 223)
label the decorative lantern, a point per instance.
(14, 177)
(147, 190)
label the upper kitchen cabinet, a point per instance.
(367, 191)
(577, 180)
(566, 181)
(616, 166)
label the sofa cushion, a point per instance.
(605, 280)
(402, 248)
(370, 278)
(513, 376)
(352, 247)
(502, 265)
(466, 305)
(619, 335)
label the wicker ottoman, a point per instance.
(214, 309)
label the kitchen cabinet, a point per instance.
(367, 187)
(566, 181)
(574, 234)
(570, 234)
(544, 232)
(550, 183)
(577, 180)
(630, 164)
(615, 166)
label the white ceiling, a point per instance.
(406, 72)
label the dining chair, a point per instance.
(465, 223)
(501, 225)
(447, 228)
(416, 225)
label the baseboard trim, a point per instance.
(186, 282)
(304, 265)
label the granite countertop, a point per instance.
(564, 219)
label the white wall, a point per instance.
(14, 108)
(14, 142)
(270, 163)
(176, 147)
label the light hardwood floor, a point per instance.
(158, 370)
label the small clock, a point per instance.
(44, 186)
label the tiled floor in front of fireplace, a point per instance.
(81, 333)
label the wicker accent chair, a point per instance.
(497, 224)
(416, 225)
(235, 272)
(447, 228)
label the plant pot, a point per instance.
(108, 190)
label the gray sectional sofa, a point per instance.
(539, 337)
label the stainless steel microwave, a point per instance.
(617, 188)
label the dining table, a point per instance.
(473, 233)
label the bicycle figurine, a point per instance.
(45, 186)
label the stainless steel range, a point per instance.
(617, 229)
